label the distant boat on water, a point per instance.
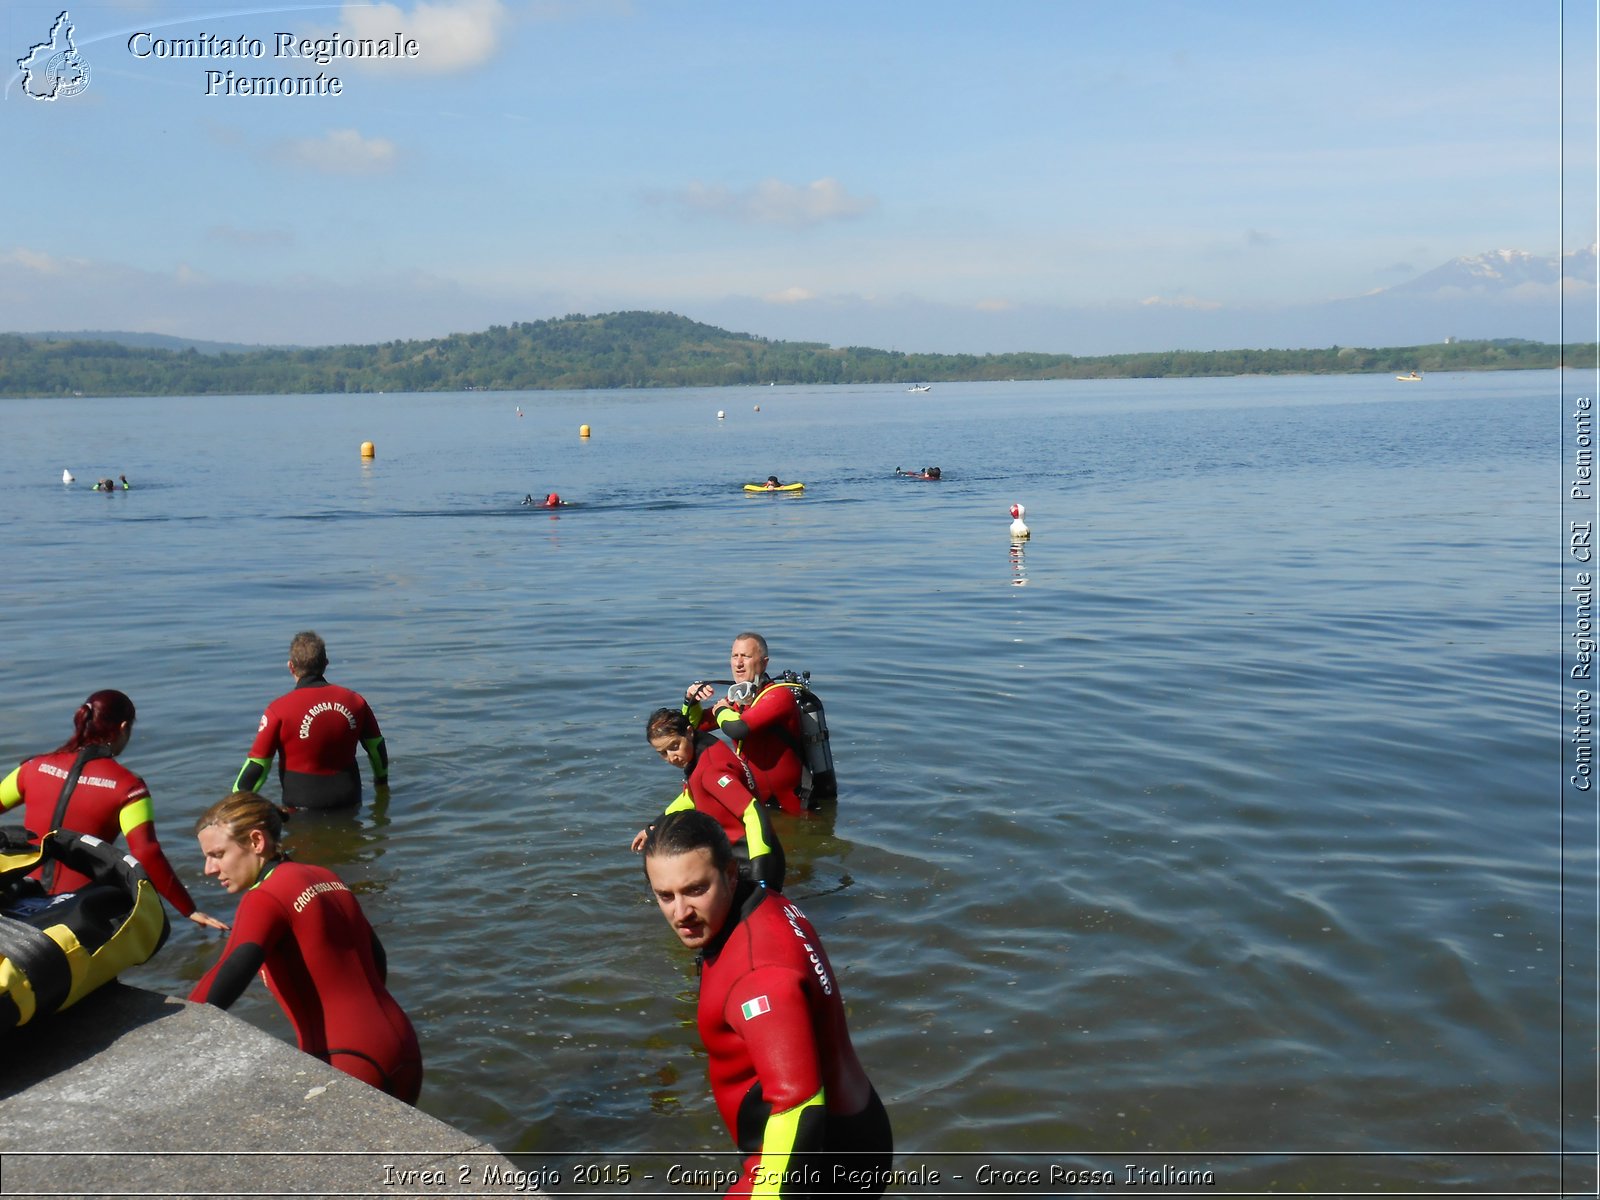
(919, 387)
(1411, 378)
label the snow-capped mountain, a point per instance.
(1505, 272)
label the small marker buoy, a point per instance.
(583, 431)
(721, 416)
(1019, 531)
(758, 408)
(66, 476)
(368, 450)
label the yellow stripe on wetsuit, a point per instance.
(131, 816)
(252, 783)
(10, 793)
(756, 830)
(777, 1145)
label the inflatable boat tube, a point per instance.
(782, 487)
(52, 958)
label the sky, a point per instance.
(921, 175)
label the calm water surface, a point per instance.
(1220, 822)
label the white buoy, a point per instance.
(1019, 531)
(66, 476)
(721, 416)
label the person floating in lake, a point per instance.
(302, 929)
(772, 482)
(715, 781)
(784, 1075)
(80, 786)
(552, 501)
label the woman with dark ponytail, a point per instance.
(80, 786)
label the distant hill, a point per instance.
(654, 349)
(155, 341)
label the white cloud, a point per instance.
(794, 295)
(36, 262)
(774, 202)
(450, 36)
(342, 152)
(1192, 303)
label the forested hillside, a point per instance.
(646, 349)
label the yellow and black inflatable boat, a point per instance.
(51, 959)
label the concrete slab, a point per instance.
(135, 1093)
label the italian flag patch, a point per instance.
(725, 781)
(754, 1008)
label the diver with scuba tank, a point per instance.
(777, 727)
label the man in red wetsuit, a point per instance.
(762, 718)
(315, 731)
(784, 1074)
(303, 930)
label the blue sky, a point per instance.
(905, 173)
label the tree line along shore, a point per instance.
(648, 349)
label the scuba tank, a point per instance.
(817, 779)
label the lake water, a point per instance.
(1219, 827)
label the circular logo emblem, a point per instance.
(69, 71)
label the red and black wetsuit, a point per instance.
(108, 798)
(719, 784)
(302, 928)
(766, 733)
(783, 1072)
(315, 731)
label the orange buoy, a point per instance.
(583, 431)
(368, 450)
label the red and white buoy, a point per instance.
(1019, 531)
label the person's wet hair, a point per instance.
(97, 720)
(666, 722)
(308, 653)
(239, 812)
(685, 831)
(760, 641)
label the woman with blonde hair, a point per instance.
(301, 927)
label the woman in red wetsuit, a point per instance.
(717, 782)
(301, 927)
(105, 798)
